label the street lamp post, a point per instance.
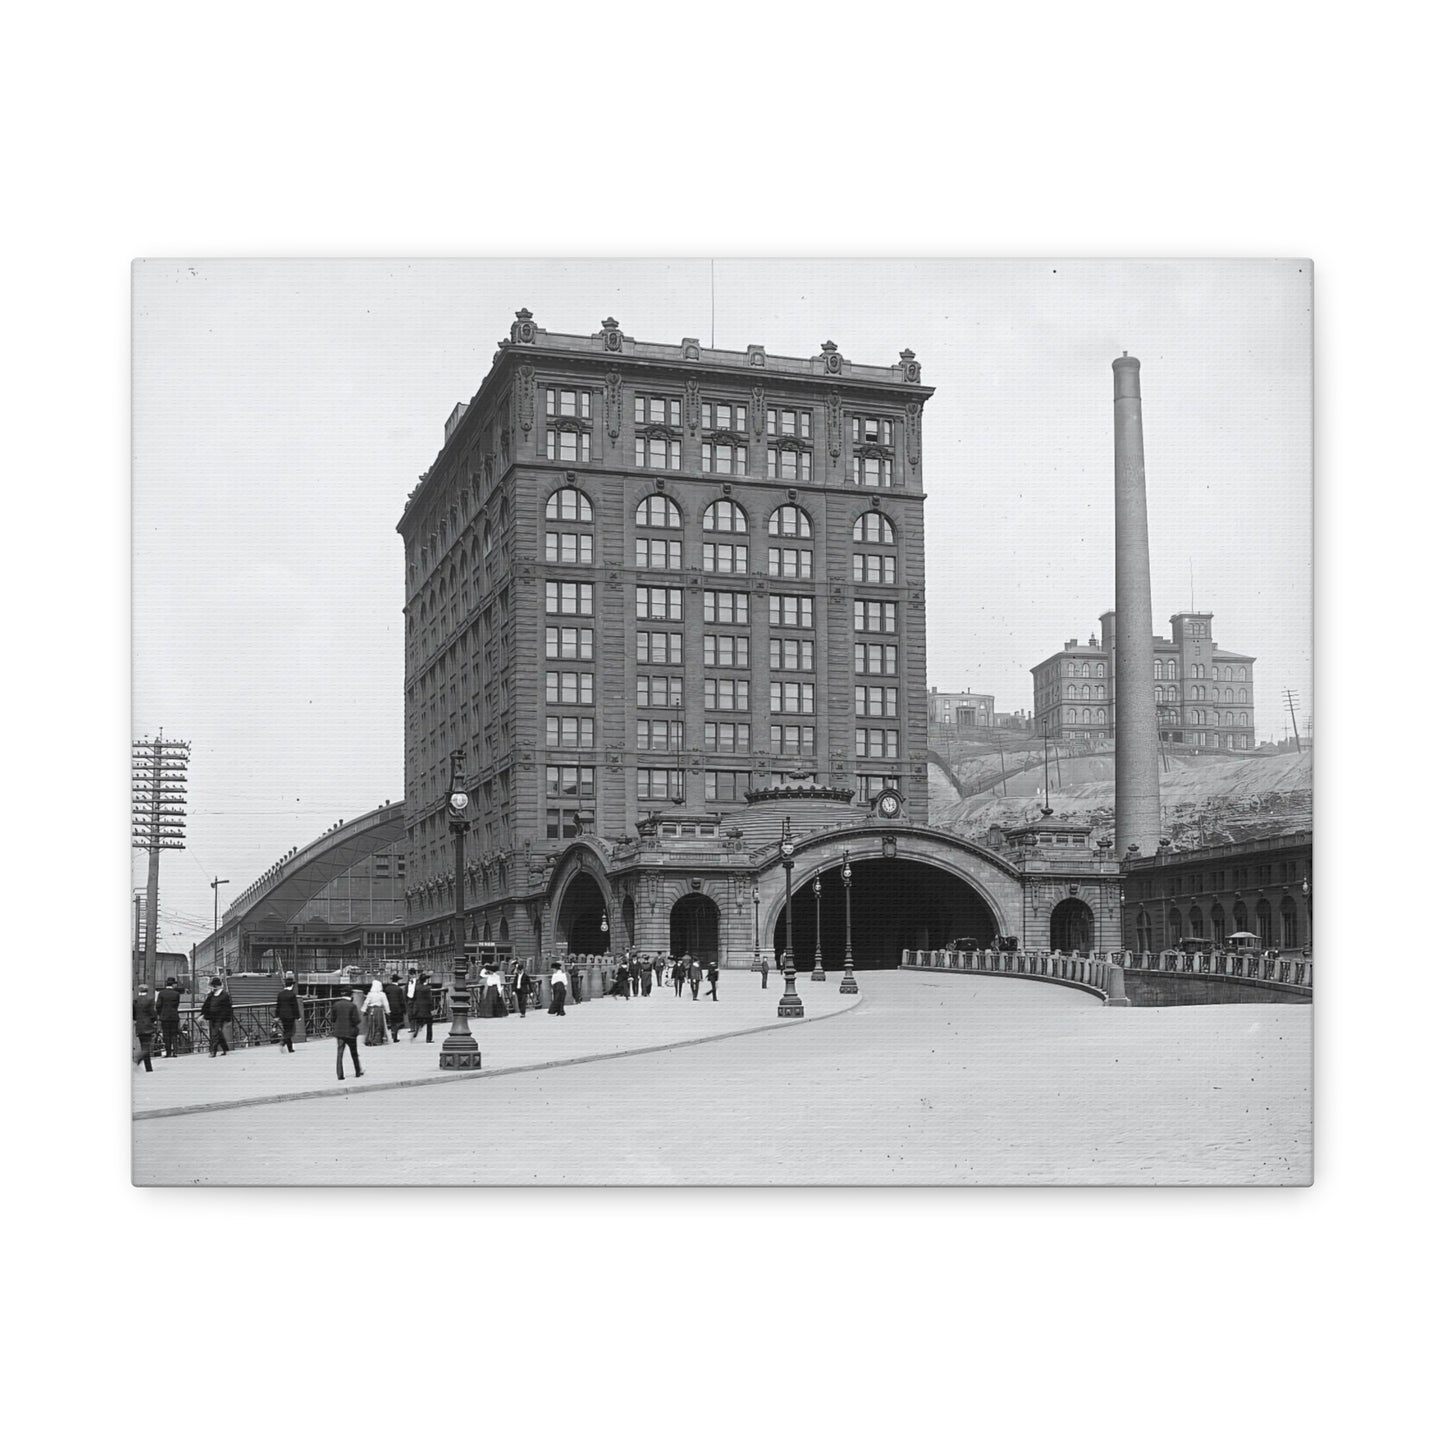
(459, 1049)
(818, 976)
(216, 919)
(757, 949)
(790, 1006)
(1309, 917)
(849, 984)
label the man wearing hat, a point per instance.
(395, 1005)
(420, 992)
(218, 1013)
(288, 1010)
(345, 1026)
(143, 1016)
(168, 1011)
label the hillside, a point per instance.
(1203, 799)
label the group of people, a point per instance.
(150, 1013)
(635, 975)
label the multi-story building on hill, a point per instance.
(1203, 693)
(953, 710)
(665, 605)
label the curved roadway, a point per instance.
(929, 1081)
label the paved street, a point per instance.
(928, 1080)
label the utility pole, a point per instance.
(1289, 696)
(135, 945)
(158, 816)
(216, 919)
(1002, 768)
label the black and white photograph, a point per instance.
(726, 722)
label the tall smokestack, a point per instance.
(1136, 724)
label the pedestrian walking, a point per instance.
(646, 971)
(421, 1007)
(657, 967)
(494, 1006)
(634, 974)
(168, 1010)
(620, 984)
(288, 1010)
(679, 976)
(345, 1025)
(763, 959)
(694, 973)
(217, 1012)
(712, 980)
(375, 1009)
(395, 1005)
(559, 990)
(143, 1016)
(522, 989)
(574, 975)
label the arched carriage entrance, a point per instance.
(580, 912)
(897, 903)
(1071, 927)
(693, 927)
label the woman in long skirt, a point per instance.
(374, 1008)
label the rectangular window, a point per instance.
(725, 694)
(721, 787)
(790, 696)
(729, 608)
(658, 691)
(875, 616)
(571, 688)
(725, 457)
(655, 552)
(566, 402)
(663, 647)
(658, 784)
(725, 416)
(570, 642)
(726, 737)
(565, 444)
(571, 781)
(872, 567)
(724, 651)
(657, 410)
(724, 556)
(872, 429)
(658, 736)
(873, 471)
(790, 654)
(878, 657)
(875, 742)
(790, 464)
(787, 611)
(789, 422)
(569, 732)
(562, 823)
(662, 604)
(790, 562)
(569, 598)
(658, 454)
(875, 701)
(869, 785)
(791, 739)
(569, 547)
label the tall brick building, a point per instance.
(1204, 695)
(665, 597)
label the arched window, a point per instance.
(567, 504)
(1176, 927)
(1196, 923)
(1144, 932)
(1241, 918)
(656, 511)
(1173, 670)
(873, 527)
(1099, 715)
(1216, 674)
(791, 521)
(1229, 694)
(1071, 691)
(1158, 669)
(1173, 694)
(1244, 694)
(1070, 715)
(1098, 669)
(1216, 925)
(1264, 923)
(1158, 695)
(724, 517)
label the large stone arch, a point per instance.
(578, 889)
(994, 882)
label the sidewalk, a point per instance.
(602, 1028)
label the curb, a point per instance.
(460, 1075)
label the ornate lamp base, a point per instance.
(460, 1053)
(459, 1049)
(849, 984)
(790, 1006)
(818, 976)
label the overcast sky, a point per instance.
(283, 410)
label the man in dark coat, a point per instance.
(712, 980)
(694, 973)
(521, 988)
(395, 1005)
(345, 1025)
(217, 1012)
(679, 976)
(168, 1011)
(421, 1007)
(288, 1010)
(634, 973)
(644, 967)
(143, 1015)
(574, 976)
